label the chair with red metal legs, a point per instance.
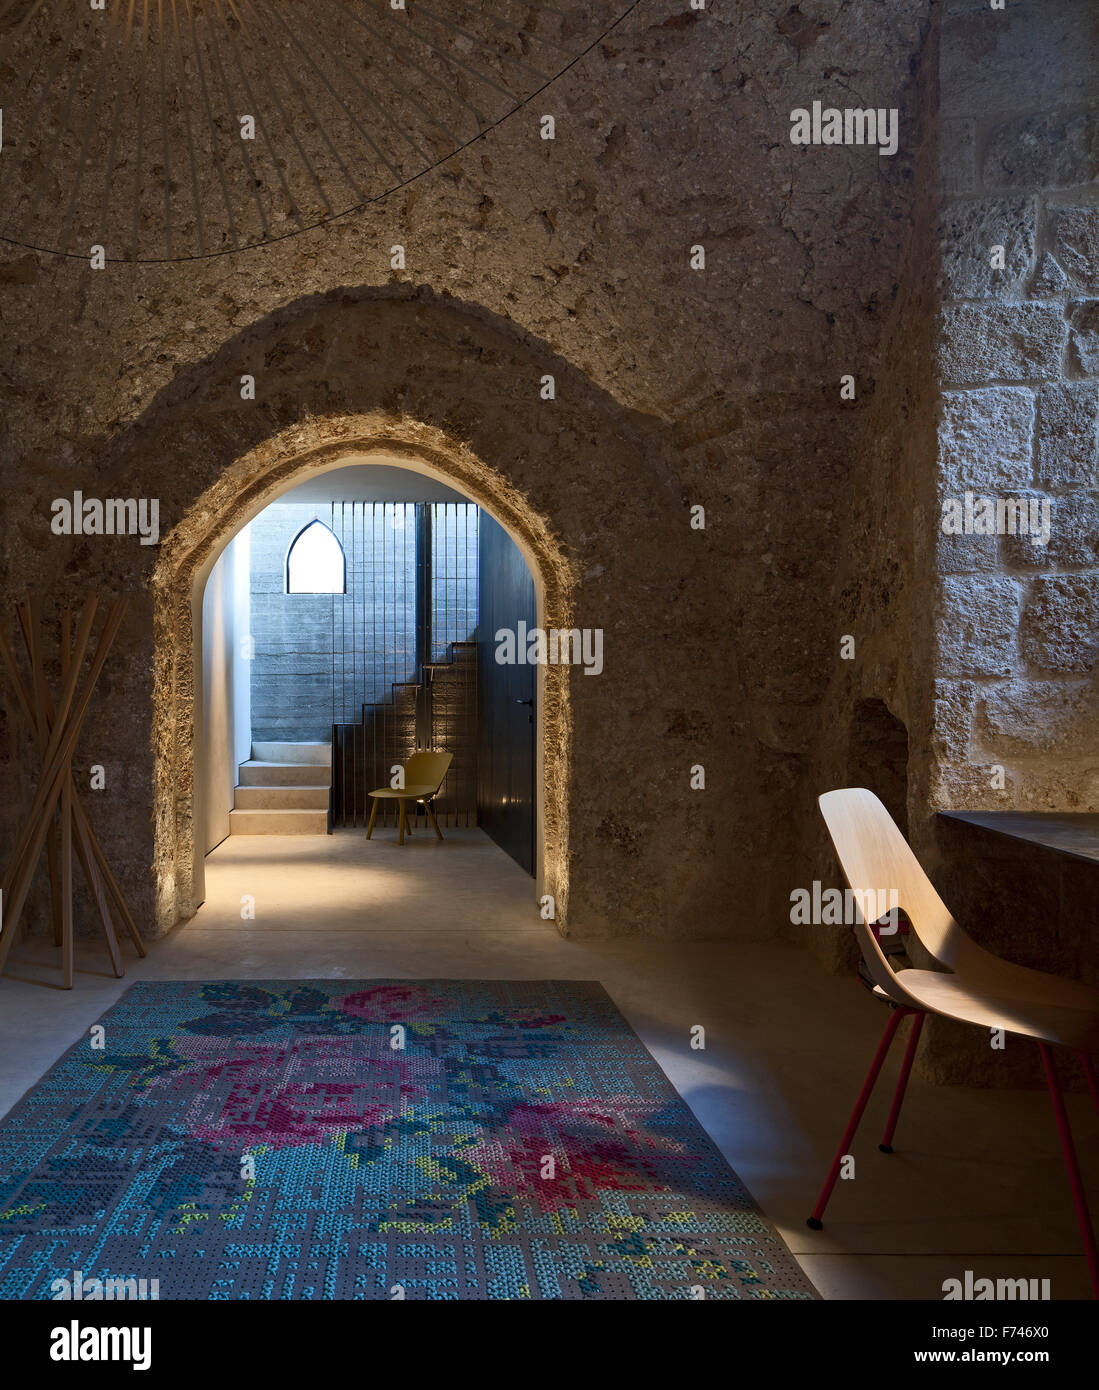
(975, 987)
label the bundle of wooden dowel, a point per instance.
(57, 818)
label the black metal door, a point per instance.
(507, 696)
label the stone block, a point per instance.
(1024, 56)
(978, 621)
(1049, 279)
(1039, 716)
(1084, 319)
(1074, 232)
(985, 438)
(968, 786)
(1023, 525)
(1032, 153)
(962, 554)
(1067, 433)
(1010, 342)
(1060, 623)
(969, 229)
(1073, 536)
(954, 708)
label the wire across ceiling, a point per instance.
(178, 129)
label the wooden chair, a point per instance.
(976, 987)
(423, 777)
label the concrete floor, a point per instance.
(977, 1182)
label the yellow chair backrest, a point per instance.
(426, 769)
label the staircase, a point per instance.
(438, 712)
(283, 789)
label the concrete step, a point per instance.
(255, 773)
(315, 754)
(278, 823)
(266, 798)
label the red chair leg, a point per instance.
(886, 1144)
(1089, 1072)
(1079, 1197)
(814, 1222)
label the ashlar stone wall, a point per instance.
(982, 648)
(1016, 709)
(1016, 723)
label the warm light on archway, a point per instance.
(190, 551)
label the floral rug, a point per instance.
(320, 1139)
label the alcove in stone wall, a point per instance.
(877, 757)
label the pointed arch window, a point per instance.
(315, 562)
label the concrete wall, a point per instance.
(318, 658)
(226, 739)
(292, 673)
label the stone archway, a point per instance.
(188, 554)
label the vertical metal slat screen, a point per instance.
(389, 619)
(453, 654)
(374, 650)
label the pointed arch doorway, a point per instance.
(188, 557)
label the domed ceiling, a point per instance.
(175, 129)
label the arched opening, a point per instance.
(190, 555)
(315, 562)
(877, 756)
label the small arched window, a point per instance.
(315, 562)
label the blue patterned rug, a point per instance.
(438, 1139)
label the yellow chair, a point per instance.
(423, 777)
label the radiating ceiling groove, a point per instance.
(120, 123)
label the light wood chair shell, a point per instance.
(975, 987)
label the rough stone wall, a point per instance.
(1016, 715)
(984, 646)
(885, 552)
(674, 387)
(1019, 620)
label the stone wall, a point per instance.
(983, 646)
(1016, 713)
(675, 387)
(1018, 628)
(879, 682)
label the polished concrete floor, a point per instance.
(976, 1183)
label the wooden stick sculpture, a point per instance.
(56, 727)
